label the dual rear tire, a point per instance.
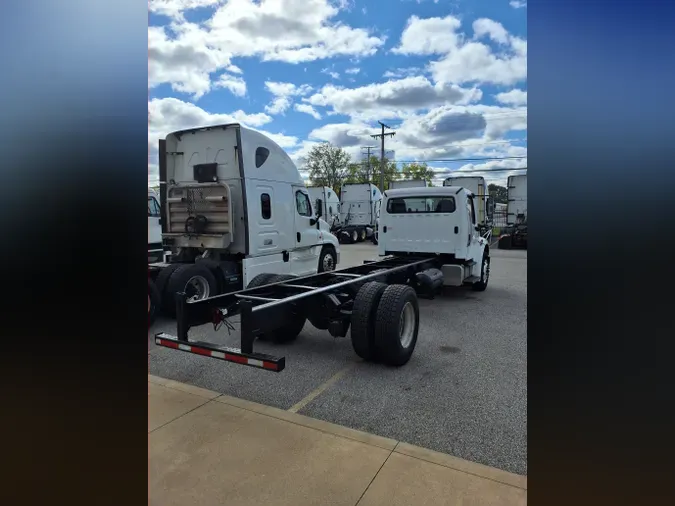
(385, 323)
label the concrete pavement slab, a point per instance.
(406, 481)
(167, 404)
(220, 454)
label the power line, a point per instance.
(467, 145)
(449, 160)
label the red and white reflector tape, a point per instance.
(222, 355)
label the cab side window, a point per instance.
(153, 207)
(302, 204)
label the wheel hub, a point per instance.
(406, 326)
(197, 288)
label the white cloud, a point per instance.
(486, 27)
(233, 83)
(283, 95)
(391, 99)
(307, 109)
(429, 36)
(353, 71)
(293, 31)
(517, 4)
(175, 8)
(465, 61)
(513, 97)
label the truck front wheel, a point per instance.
(327, 259)
(481, 285)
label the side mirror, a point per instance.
(319, 208)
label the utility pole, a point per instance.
(368, 160)
(382, 136)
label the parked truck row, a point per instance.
(515, 233)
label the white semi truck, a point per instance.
(377, 302)
(330, 203)
(515, 234)
(359, 206)
(484, 204)
(233, 206)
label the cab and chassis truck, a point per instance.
(377, 302)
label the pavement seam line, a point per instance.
(481, 476)
(320, 389)
(329, 432)
(378, 472)
(181, 416)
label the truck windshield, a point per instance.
(404, 205)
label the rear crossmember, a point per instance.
(269, 307)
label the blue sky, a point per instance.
(449, 75)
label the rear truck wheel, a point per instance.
(154, 302)
(197, 281)
(362, 234)
(297, 319)
(327, 259)
(354, 236)
(397, 325)
(364, 314)
(161, 282)
(481, 285)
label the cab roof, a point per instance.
(425, 191)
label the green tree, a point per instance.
(327, 165)
(418, 171)
(498, 193)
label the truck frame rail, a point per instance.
(264, 309)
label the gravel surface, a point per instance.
(464, 391)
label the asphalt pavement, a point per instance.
(464, 391)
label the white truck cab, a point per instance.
(440, 221)
(233, 206)
(325, 197)
(359, 205)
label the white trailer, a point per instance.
(484, 204)
(377, 303)
(330, 203)
(359, 207)
(233, 205)
(517, 199)
(407, 183)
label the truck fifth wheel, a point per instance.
(429, 238)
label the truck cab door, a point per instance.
(474, 240)
(305, 254)
(155, 248)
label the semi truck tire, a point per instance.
(161, 281)
(327, 259)
(397, 325)
(290, 331)
(362, 234)
(196, 280)
(154, 302)
(354, 236)
(480, 286)
(364, 314)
